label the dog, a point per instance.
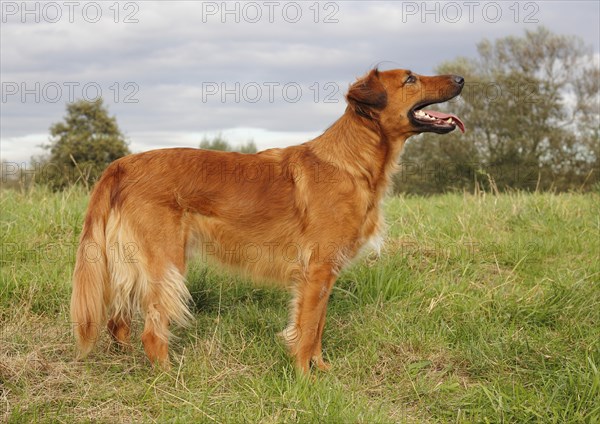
(295, 215)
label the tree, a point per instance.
(217, 143)
(530, 106)
(82, 145)
(220, 143)
(249, 147)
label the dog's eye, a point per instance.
(410, 80)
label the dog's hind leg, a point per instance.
(148, 276)
(165, 302)
(119, 328)
(304, 333)
(155, 337)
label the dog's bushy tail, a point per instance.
(90, 278)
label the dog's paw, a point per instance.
(321, 364)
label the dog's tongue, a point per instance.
(444, 116)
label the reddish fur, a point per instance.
(324, 196)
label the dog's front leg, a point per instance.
(304, 333)
(317, 356)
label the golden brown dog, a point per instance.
(296, 215)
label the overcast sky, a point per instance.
(272, 71)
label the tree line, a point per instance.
(531, 106)
(532, 114)
(84, 144)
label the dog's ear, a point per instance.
(367, 96)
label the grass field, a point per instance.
(480, 309)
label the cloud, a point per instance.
(154, 73)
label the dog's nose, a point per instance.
(458, 80)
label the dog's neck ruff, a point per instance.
(358, 147)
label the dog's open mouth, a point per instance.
(436, 121)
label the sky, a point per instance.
(274, 72)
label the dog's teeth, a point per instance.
(424, 115)
(449, 120)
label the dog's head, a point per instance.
(395, 101)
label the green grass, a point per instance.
(480, 309)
